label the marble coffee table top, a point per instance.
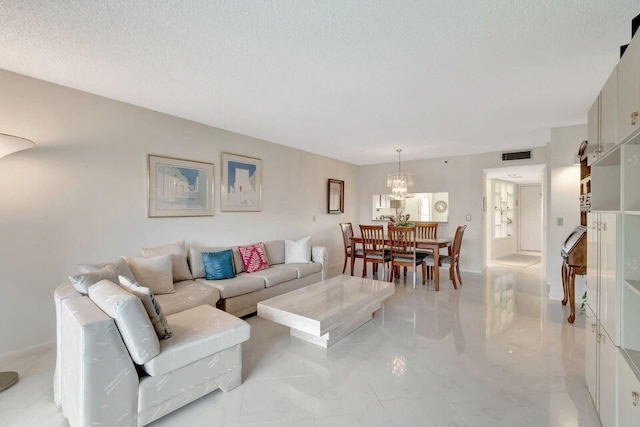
(325, 306)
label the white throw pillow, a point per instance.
(120, 265)
(180, 266)
(297, 251)
(156, 273)
(82, 282)
(131, 318)
(158, 320)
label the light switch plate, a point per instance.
(468, 217)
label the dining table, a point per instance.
(421, 243)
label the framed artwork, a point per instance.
(335, 196)
(241, 184)
(178, 187)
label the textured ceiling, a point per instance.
(352, 80)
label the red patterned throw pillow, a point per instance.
(254, 257)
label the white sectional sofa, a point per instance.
(112, 369)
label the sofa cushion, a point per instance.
(218, 265)
(82, 282)
(197, 333)
(121, 266)
(302, 269)
(131, 319)
(297, 251)
(254, 257)
(158, 320)
(275, 251)
(180, 268)
(197, 266)
(188, 294)
(275, 276)
(242, 284)
(156, 273)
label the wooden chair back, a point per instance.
(347, 234)
(372, 239)
(457, 243)
(402, 242)
(427, 230)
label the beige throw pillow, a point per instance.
(120, 265)
(154, 273)
(82, 282)
(180, 266)
(158, 320)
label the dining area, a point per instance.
(390, 251)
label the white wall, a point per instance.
(462, 177)
(79, 196)
(564, 201)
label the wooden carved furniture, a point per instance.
(349, 252)
(402, 242)
(374, 247)
(427, 230)
(452, 259)
(574, 261)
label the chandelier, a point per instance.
(399, 182)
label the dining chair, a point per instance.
(403, 252)
(374, 248)
(451, 260)
(427, 230)
(347, 234)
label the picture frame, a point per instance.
(335, 196)
(179, 187)
(241, 183)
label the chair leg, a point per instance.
(353, 264)
(344, 267)
(458, 272)
(364, 268)
(393, 268)
(424, 274)
(415, 271)
(453, 277)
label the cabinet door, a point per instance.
(609, 304)
(609, 110)
(593, 123)
(593, 266)
(590, 356)
(607, 381)
(629, 90)
(628, 394)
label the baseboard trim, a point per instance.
(28, 350)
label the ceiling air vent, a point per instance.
(516, 155)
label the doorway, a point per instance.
(514, 216)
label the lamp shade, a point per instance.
(10, 144)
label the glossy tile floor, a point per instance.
(494, 353)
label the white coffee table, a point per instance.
(327, 311)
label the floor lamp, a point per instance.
(10, 144)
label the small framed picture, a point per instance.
(179, 187)
(241, 184)
(335, 196)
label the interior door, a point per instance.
(530, 218)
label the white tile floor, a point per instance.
(494, 353)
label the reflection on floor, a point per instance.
(494, 353)
(523, 259)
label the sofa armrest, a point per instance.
(321, 254)
(60, 294)
(98, 380)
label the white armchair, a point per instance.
(99, 338)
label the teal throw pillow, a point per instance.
(218, 265)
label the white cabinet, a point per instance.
(612, 358)
(628, 394)
(629, 90)
(593, 124)
(591, 356)
(608, 111)
(607, 380)
(603, 288)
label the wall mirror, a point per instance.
(432, 207)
